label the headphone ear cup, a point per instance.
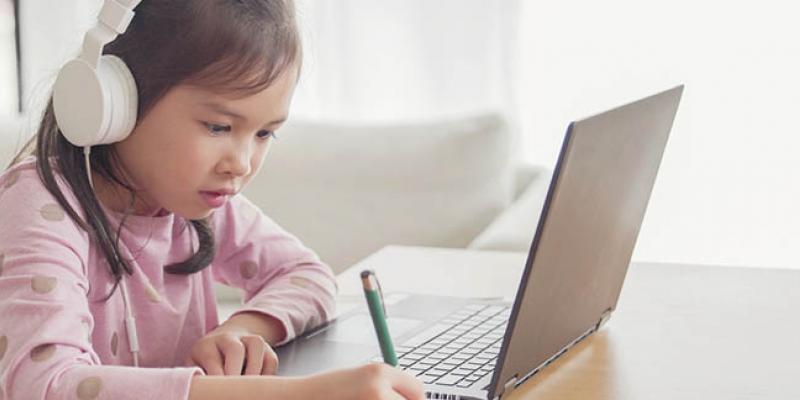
(123, 99)
(95, 107)
(78, 103)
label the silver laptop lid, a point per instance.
(586, 233)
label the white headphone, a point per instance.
(95, 102)
(94, 97)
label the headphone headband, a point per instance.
(114, 18)
(94, 97)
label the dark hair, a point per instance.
(232, 46)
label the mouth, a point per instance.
(214, 199)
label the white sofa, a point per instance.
(348, 190)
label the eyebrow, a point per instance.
(221, 109)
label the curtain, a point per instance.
(8, 58)
(51, 34)
(406, 59)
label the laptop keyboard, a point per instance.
(458, 350)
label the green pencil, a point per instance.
(378, 313)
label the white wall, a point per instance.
(45, 50)
(729, 187)
(8, 73)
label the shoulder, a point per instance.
(239, 212)
(240, 221)
(26, 206)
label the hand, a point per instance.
(370, 382)
(233, 350)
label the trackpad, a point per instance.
(359, 329)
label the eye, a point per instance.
(265, 134)
(217, 128)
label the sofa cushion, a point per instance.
(514, 229)
(348, 190)
(11, 139)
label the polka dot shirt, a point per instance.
(60, 338)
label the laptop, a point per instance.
(465, 348)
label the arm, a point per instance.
(372, 381)
(45, 319)
(244, 387)
(269, 328)
(287, 290)
(282, 280)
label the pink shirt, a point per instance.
(60, 340)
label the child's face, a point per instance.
(183, 147)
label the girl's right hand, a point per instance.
(374, 381)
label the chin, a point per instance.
(194, 214)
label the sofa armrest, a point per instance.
(347, 190)
(527, 174)
(11, 138)
(514, 228)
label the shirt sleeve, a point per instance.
(45, 319)
(279, 275)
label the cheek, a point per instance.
(258, 159)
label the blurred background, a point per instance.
(729, 185)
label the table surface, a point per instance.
(679, 331)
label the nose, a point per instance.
(237, 159)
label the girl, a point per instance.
(107, 257)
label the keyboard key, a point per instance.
(469, 351)
(492, 310)
(426, 378)
(451, 348)
(427, 347)
(473, 365)
(462, 371)
(417, 370)
(475, 377)
(471, 335)
(448, 380)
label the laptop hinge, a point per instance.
(509, 387)
(604, 318)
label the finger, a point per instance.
(270, 366)
(209, 359)
(406, 385)
(233, 354)
(254, 347)
(395, 396)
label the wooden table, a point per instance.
(679, 332)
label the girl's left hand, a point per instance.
(233, 350)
